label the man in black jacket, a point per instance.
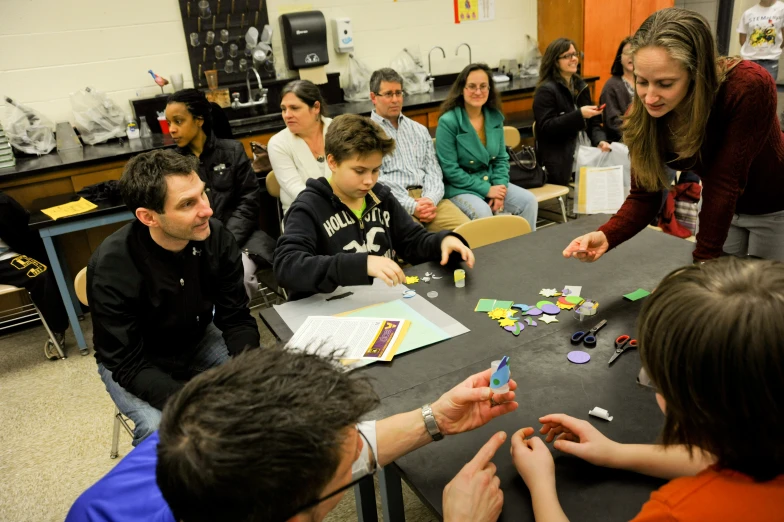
(165, 291)
(348, 229)
(23, 263)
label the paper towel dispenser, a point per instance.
(304, 39)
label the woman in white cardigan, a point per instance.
(297, 152)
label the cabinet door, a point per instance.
(607, 23)
(642, 9)
(559, 18)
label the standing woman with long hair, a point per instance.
(712, 116)
(565, 115)
(471, 150)
(224, 167)
(618, 91)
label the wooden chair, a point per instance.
(80, 288)
(488, 230)
(28, 313)
(547, 191)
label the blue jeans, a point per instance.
(210, 352)
(518, 201)
(772, 66)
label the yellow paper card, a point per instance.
(69, 209)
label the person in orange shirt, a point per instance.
(711, 339)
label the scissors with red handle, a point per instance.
(623, 343)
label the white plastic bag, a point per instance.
(358, 85)
(532, 59)
(27, 130)
(594, 157)
(97, 118)
(414, 75)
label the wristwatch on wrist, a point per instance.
(430, 423)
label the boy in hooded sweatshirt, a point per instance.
(348, 229)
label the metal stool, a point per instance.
(29, 313)
(119, 420)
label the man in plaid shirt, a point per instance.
(412, 171)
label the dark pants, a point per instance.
(36, 278)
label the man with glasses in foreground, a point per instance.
(412, 170)
(275, 436)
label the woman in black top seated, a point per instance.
(564, 113)
(232, 186)
(617, 93)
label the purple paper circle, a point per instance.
(578, 357)
(534, 312)
(551, 309)
(512, 328)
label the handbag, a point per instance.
(524, 170)
(261, 163)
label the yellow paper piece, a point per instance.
(69, 209)
(564, 306)
(498, 313)
(410, 280)
(507, 322)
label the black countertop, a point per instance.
(268, 119)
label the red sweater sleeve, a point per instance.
(637, 211)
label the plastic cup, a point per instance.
(228, 67)
(176, 81)
(194, 37)
(218, 52)
(204, 9)
(164, 125)
(460, 278)
(493, 369)
(233, 49)
(224, 36)
(209, 38)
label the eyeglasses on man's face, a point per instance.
(569, 56)
(481, 88)
(370, 472)
(389, 95)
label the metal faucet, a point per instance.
(470, 60)
(429, 65)
(235, 96)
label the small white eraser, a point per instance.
(601, 413)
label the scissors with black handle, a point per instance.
(588, 338)
(622, 344)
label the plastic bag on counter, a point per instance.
(97, 118)
(531, 60)
(28, 131)
(414, 75)
(358, 85)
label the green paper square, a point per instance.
(637, 294)
(504, 304)
(484, 305)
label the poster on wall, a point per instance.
(474, 11)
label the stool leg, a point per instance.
(115, 434)
(563, 207)
(48, 331)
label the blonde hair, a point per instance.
(687, 38)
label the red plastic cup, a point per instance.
(164, 126)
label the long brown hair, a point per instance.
(455, 97)
(687, 37)
(711, 338)
(549, 69)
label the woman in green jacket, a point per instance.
(471, 150)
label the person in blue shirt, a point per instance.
(274, 435)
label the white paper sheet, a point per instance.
(355, 337)
(604, 189)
